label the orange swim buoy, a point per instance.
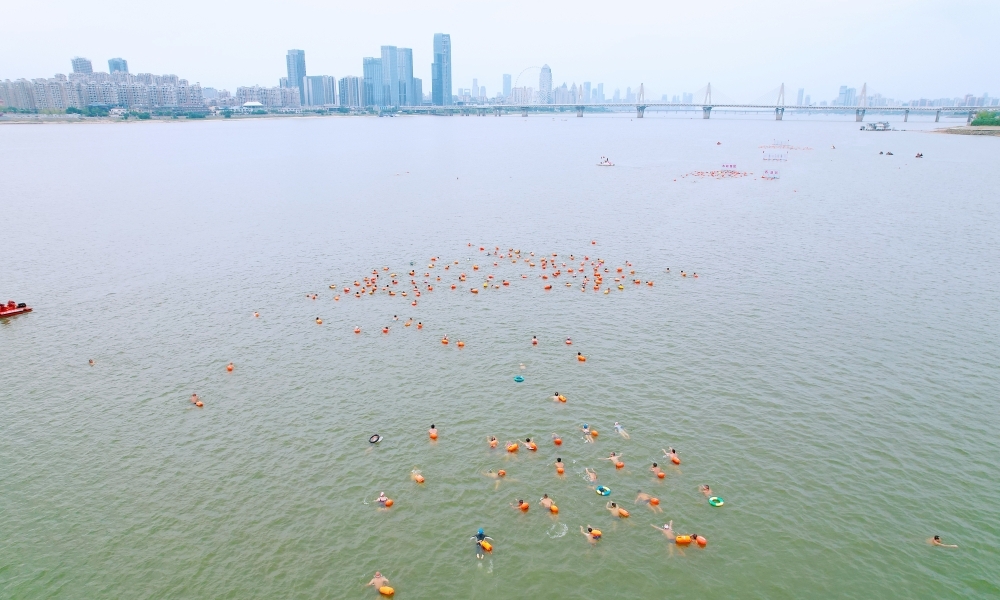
(461, 344)
(512, 448)
(557, 441)
(319, 321)
(661, 475)
(654, 501)
(560, 470)
(581, 358)
(702, 541)
(554, 509)
(434, 435)
(562, 398)
(548, 286)
(444, 341)
(229, 367)
(502, 473)
(622, 513)
(385, 330)
(593, 433)
(419, 478)
(388, 503)
(523, 506)
(683, 540)
(675, 460)
(619, 465)
(357, 330)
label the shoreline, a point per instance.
(971, 130)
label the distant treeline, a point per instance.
(987, 117)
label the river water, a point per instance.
(832, 373)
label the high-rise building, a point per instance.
(506, 85)
(374, 85)
(320, 90)
(295, 60)
(799, 99)
(116, 65)
(545, 85)
(390, 75)
(350, 91)
(418, 91)
(586, 91)
(82, 65)
(441, 70)
(688, 98)
(600, 93)
(404, 62)
(808, 100)
(475, 89)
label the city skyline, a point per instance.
(743, 50)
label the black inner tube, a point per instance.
(375, 439)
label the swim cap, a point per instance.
(585, 425)
(480, 532)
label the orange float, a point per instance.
(702, 541)
(434, 435)
(675, 460)
(523, 506)
(661, 475)
(229, 367)
(357, 330)
(388, 503)
(682, 540)
(512, 448)
(619, 465)
(548, 287)
(502, 473)
(557, 441)
(419, 478)
(461, 344)
(581, 358)
(554, 509)
(560, 470)
(654, 501)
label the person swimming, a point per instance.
(432, 432)
(936, 541)
(378, 581)
(479, 538)
(657, 470)
(621, 430)
(382, 499)
(530, 445)
(616, 510)
(92, 362)
(587, 437)
(591, 534)
(667, 529)
(521, 505)
(546, 502)
(493, 441)
(615, 458)
(706, 490)
(196, 400)
(590, 474)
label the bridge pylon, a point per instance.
(706, 112)
(859, 115)
(779, 112)
(640, 110)
(579, 111)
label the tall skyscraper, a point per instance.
(407, 95)
(116, 65)
(475, 89)
(390, 75)
(320, 90)
(600, 93)
(545, 85)
(506, 85)
(296, 63)
(586, 91)
(418, 91)
(441, 70)
(350, 91)
(802, 93)
(82, 65)
(373, 82)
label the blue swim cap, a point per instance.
(585, 425)
(480, 532)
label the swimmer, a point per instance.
(408, 323)
(590, 533)
(667, 529)
(936, 541)
(493, 441)
(706, 490)
(417, 476)
(569, 342)
(196, 400)
(560, 464)
(615, 458)
(382, 499)
(479, 538)
(555, 396)
(591, 474)
(420, 325)
(615, 510)
(657, 471)
(587, 437)
(621, 430)
(377, 581)
(521, 506)
(92, 363)
(671, 455)
(530, 445)
(546, 502)
(256, 314)
(395, 318)
(648, 500)
(534, 341)
(433, 432)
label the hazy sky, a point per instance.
(903, 49)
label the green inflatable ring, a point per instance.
(716, 501)
(518, 378)
(603, 490)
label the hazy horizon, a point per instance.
(903, 50)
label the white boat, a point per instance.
(606, 164)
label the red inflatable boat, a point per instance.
(10, 309)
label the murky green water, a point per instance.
(832, 373)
